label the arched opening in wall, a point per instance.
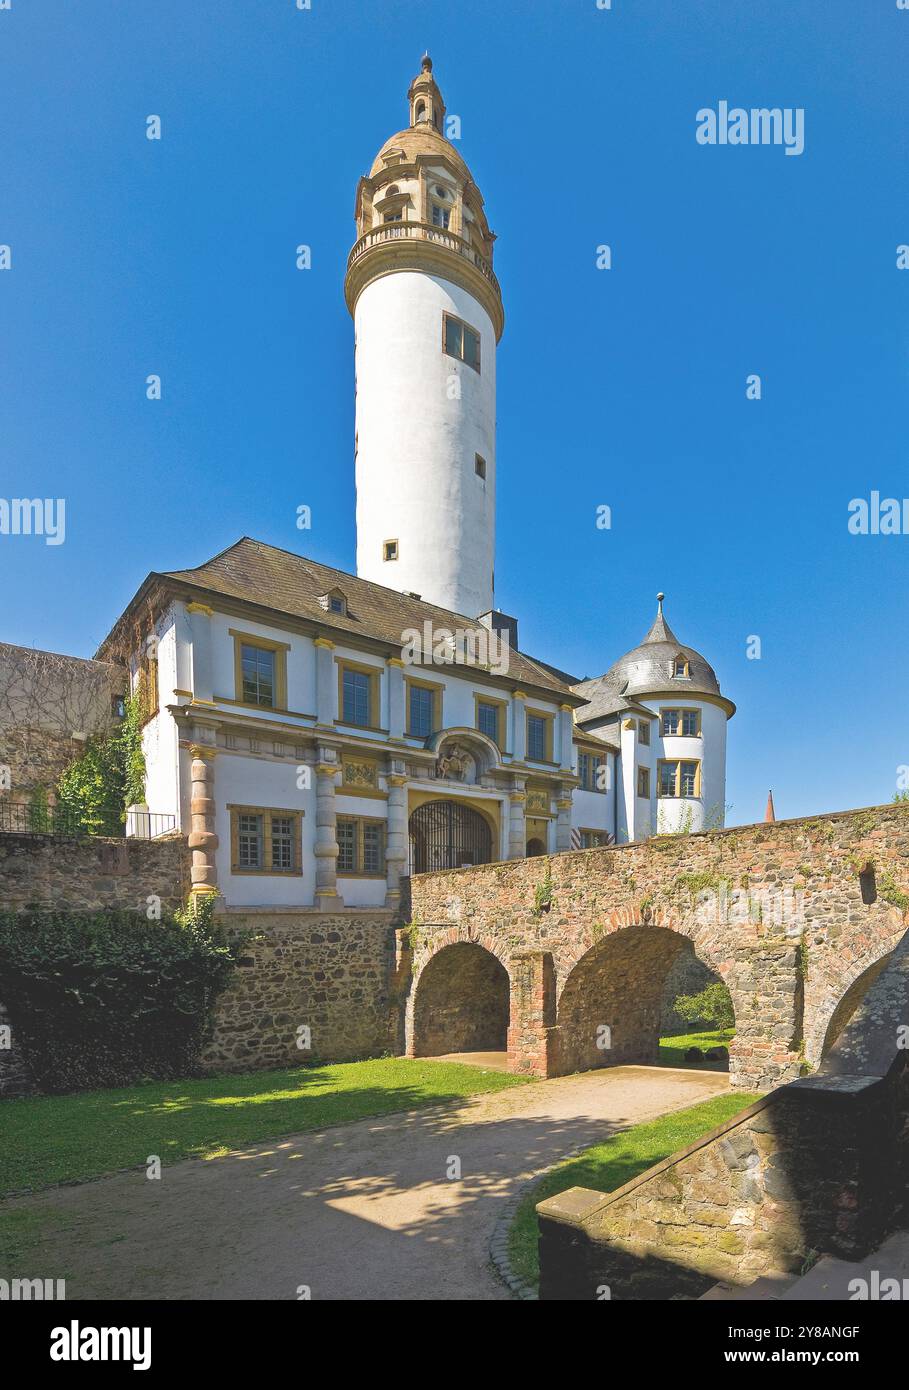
(461, 1003)
(612, 1008)
(850, 1002)
(696, 1014)
(535, 847)
(448, 835)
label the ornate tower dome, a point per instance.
(428, 315)
(662, 664)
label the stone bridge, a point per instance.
(565, 959)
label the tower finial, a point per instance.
(660, 598)
(426, 62)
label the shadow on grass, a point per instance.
(53, 1139)
(368, 1212)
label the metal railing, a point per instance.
(423, 231)
(24, 818)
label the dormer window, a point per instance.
(681, 669)
(334, 602)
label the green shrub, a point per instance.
(104, 999)
(109, 775)
(712, 1005)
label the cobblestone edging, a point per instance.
(498, 1241)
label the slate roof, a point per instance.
(291, 584)
(648, 669)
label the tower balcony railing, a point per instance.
(423, 231)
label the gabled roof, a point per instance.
(292, 585)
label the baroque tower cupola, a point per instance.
(428, 315)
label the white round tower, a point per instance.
(427, 315)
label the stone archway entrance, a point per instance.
(610, 1009)
(461, 1003)
(448, 835)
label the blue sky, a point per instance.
(622, 387)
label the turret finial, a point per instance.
(660, 598)
(426, 63)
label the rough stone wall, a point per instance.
(463, 1004)
(755, 1196)
(330, 974)
(87, 875)
(92, 873)
(619, 986)
(820, 1165)
(49, 704)
(777, 911)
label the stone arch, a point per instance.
(705, 943)
(850, 1001)
(840, 974)
(610, 1001)
(460, 1000)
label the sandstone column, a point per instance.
(326, 846)
(202, 838)
(396, 847)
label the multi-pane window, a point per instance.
(361, 846)
(264, 840)
(644, 733)
(440, 216)
(644, 781)
(536, 737)
(688, 778)
(346, 832)
(250, 843)
(678, 778)
(591, 772)
(421, 708)
(461, 341)
(282, 842)
(356, 690)
(258, 670)
(592, 839)
(691, 722)
(686, 722)
(371, 840)
(488, 719)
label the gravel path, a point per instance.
(361, 1211)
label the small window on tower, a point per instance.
(461, 341)
(389, 550)
(480, 466)
(441, 216)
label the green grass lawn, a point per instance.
(673, 1049)
(607, 1166)
(52, 1139)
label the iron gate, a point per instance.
(447, 835)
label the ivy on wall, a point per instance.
(95, 790)
(104, 999)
